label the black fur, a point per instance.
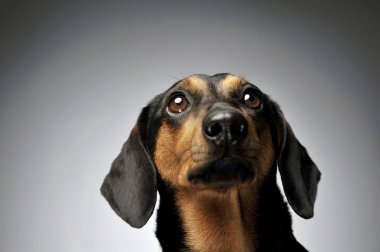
(169, 231)
(299, 174)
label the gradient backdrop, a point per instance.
(75, 74)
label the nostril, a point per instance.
(214, 130)
(239, 128)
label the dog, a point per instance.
(211, 145)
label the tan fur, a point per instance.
(218, 221)
(179, 151)
(195, 84)
(229, 84)
(259, 145)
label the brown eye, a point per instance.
(251, 99)
(177, 104)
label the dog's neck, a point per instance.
(234, 220)
(218, 221)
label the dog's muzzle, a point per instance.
(225, 128)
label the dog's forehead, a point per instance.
(195, 83)
(221, 84)
(230, 83)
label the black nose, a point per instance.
(225, 127)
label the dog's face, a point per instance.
(208, 133)
(213, 134)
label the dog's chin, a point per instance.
(222, 174)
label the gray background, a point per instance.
(75, 74)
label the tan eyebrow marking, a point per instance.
(195, 84)
(230, 84)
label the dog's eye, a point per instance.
(177, 104)
(251, 99)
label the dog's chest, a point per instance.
(216, 222)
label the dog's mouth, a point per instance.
(222, 173)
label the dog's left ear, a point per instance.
(130, 186)
(299, 174)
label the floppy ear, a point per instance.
(130, 186)
(299, 174)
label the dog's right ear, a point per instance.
(130, 186)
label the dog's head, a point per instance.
(208, 133)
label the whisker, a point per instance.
(174, 77)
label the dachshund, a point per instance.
(211, 145)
